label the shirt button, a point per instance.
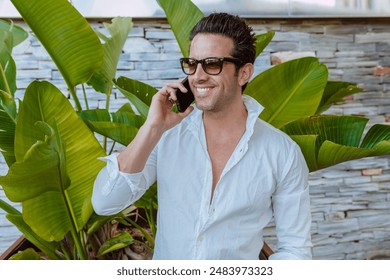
(200, 238)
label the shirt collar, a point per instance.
(254, 109)
(195, 120)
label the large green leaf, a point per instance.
(262, 41)
(102, 80)
(45, 212)
(139, 94)
(15, 217)
(331, 154)
(119, 241)
(335, 92)
(376, 134)
(10, 36)
(66, 35)
(120, 126)
(28, 254)
(49, 248)
(7, 127)
(7, 72)
(19, 34)
(308, 145)
(378, 138)
(328, 140)
(290, 90)
(7, 63)
(182, 16)
(45, 154)
(343, 130)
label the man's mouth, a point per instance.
(202, 90)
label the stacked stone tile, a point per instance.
(350, 201)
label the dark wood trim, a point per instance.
(265, 252)
(19, 245)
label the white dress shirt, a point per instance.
(265, 175)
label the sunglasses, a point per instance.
(211, 65)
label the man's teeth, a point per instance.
(203, 89)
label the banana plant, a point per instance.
(56, 162)
(10, 36)
(294, 94)
(54, 23)
(328, 140)
(55, 153)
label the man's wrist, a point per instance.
(152, 129)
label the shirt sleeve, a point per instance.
(114, 190)
(291, 204)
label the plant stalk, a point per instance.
(5, 80)
(144, 232)
(85, 97)
(76, 100)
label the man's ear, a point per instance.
(245, 73)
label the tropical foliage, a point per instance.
(52, 151)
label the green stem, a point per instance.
(85, 97)
(78, 241)
(142, 244)
(108, 93)
(5, 80)
(146, 235)
(112, 148)
(105, 143)
(76, 100)
(150, 218)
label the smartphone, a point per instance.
(184, 99)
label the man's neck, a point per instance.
(230, 118)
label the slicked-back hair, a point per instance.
(233, 27)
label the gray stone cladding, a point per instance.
(350, 202)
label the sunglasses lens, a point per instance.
(188, 65)
(213, 66)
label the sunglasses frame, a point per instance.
(203, 62)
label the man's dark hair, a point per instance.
(232, 27)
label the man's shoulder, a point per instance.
(267, 131)
(267, 139)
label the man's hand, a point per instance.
(160, 119)
(160, 114)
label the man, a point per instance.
(221, 171)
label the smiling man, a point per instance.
(222, 172)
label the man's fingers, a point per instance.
(187, 111)
(170, 93)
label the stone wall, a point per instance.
(350, 201)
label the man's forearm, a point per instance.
(134, 157)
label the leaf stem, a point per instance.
(5, 80)
(85, 97)
(75, 98)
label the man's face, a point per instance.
(214, 93)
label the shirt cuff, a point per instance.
(135, 181)
(301, 254)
